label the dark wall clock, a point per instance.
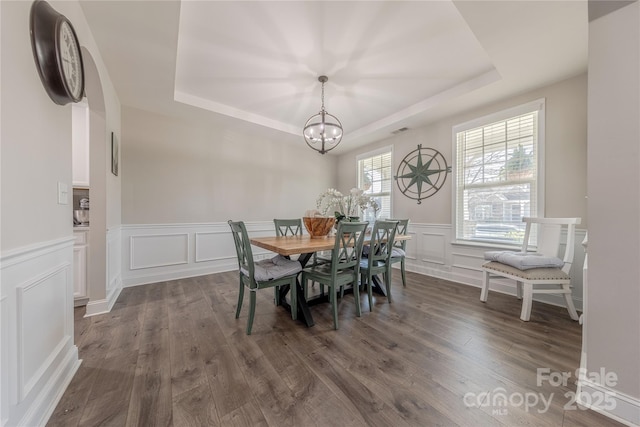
(56, 51)
(422, 173)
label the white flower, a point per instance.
(328, 201)
(349, 206)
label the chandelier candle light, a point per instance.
(323, 131)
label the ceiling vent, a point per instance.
(397, 131)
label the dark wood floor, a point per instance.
(172, 353)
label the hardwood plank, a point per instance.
(108, 401)
(195, 408)
(187, 367)
(69, 410)
(248, 414)
(321, 404)
(226, 379)
(172, 353)
(151, 400)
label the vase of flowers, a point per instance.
(345, 207)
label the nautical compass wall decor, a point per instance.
(422, 173)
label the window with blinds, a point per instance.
(498, 175)
(374, 177)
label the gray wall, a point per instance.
(565, 154)
(36, 143)
(36, 260)
(36, 136)
(612, 314)
(177, 170)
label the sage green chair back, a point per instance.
(293, 227)
(401, 248)
(243, 250)
(377, 261)
(268, 273)
(288, 227)
(344, 267)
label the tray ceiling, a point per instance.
(390, 63)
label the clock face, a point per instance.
(57, 54)
(70, 60)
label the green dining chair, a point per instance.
(377, 260)
(293, 227)
(400, 248)
(288, 227)
(274, 272)
(344, 267)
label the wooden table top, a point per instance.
(293, 245)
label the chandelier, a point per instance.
(323, 131)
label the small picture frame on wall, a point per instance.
(114, 154)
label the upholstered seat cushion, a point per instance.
(274, 268)
(530, 274)
(397, 252)
(524, 260)
(364, 263)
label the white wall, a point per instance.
(38, 355)
(612, 316)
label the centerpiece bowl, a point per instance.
(318, 226)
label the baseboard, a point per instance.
(104, 305)
(80, 302)
(144, 279)
(609, 402)
(44, 405)
(496, 285)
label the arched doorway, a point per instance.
(98, 149)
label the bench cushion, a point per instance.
(531, 274)
(524, 260)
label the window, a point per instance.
(374, 177)
(499, 175)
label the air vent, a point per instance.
(397, 131)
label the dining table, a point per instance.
(305, 246)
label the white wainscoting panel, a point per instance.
(42, 326)
(114, 259)
(434, 247)
(210, 249)
(213, 246)
(4, 358)
(114, 275)
(412, 246)
(159, 250)
(438, 257)
(38, 356)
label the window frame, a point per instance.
(538, 105)
(374, 153)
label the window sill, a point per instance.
(486, 245)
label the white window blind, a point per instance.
(498, 176)
(374, 177)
